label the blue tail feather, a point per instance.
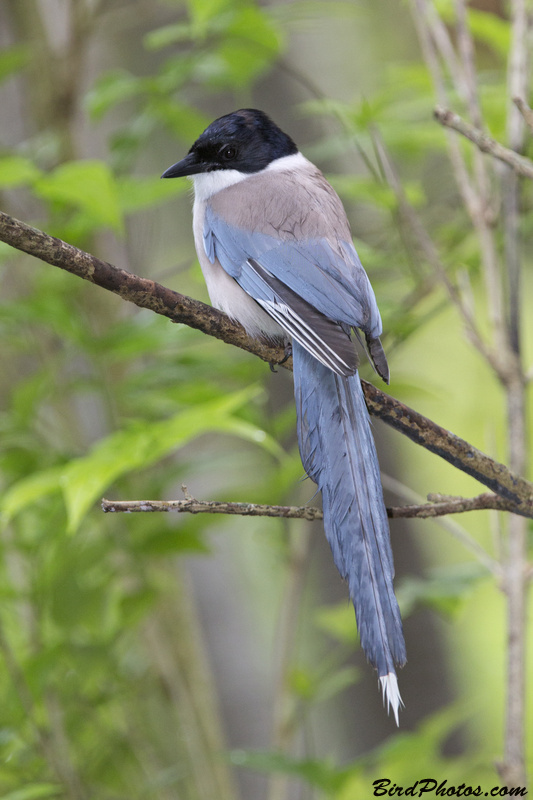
(338, 453)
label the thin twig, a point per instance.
(466, 50)
(434, 39)
(517, 84)
(445, 48)
(450, 447)
(465, 44)
(450, 525)
(193, 506)
(429, 251)
(285, 715)
(439, 506)
(142, 292)
(525, 110)
(179, 308)
(46, 733)
(512, 769)
(438, 509)
(520, 164)
(424, 21)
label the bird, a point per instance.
(277, 255)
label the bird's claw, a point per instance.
(288, 354)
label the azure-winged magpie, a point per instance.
(276, 252)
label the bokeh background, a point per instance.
(165, 657)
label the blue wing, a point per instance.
(315, 292)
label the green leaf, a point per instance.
(72, 602)
(29, 491)
(111, 89)
(134, 606)
(254, 26)
(364, 189)
(167, 35)
(135, 193)
(12, 59)
(34, 792)
(302, 683)
(322, 774)
(305, 10)
(184, 122)
(250, 45)
(336, 682)
(445, 590)
(85, 479)
(338, 621)
(88, 186)
(490, 29)
(17, 171)
(171, 540)
(317, 687)
(396, 754)
(203, 12)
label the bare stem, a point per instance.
(437, 49)
(520, 164)
(513, 770)
(439, 505)
(503, 289)
(146, 293)
(429, 251)
(286, 635)
(50, 736)
(525, 110)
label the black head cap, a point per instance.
(246, 140)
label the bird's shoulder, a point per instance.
(290, 200)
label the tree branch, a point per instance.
(513, 767)
(451, 448)
(146, 293)
(473, 185)
(428, 249)
(143, 292)
(525, 110)
(438, 506)
(192, 506)
(520, 164)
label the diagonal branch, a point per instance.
(143, 292)
(146, 293)
(451, 448)
(473, 186)
(520, 164)
(427, 247)
(526, 112)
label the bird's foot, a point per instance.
(288, 354)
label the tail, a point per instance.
(338, 453)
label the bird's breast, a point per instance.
(225, 293)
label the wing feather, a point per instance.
(330, 279)
(316, 292)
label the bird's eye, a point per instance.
(228, 153)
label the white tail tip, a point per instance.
(391, 694)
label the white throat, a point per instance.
(206, 184)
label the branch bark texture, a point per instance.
(146, 293)
(520, 164)
(438, 506)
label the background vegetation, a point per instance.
(151, 656)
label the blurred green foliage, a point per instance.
(98, 698)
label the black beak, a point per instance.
(190, 165)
